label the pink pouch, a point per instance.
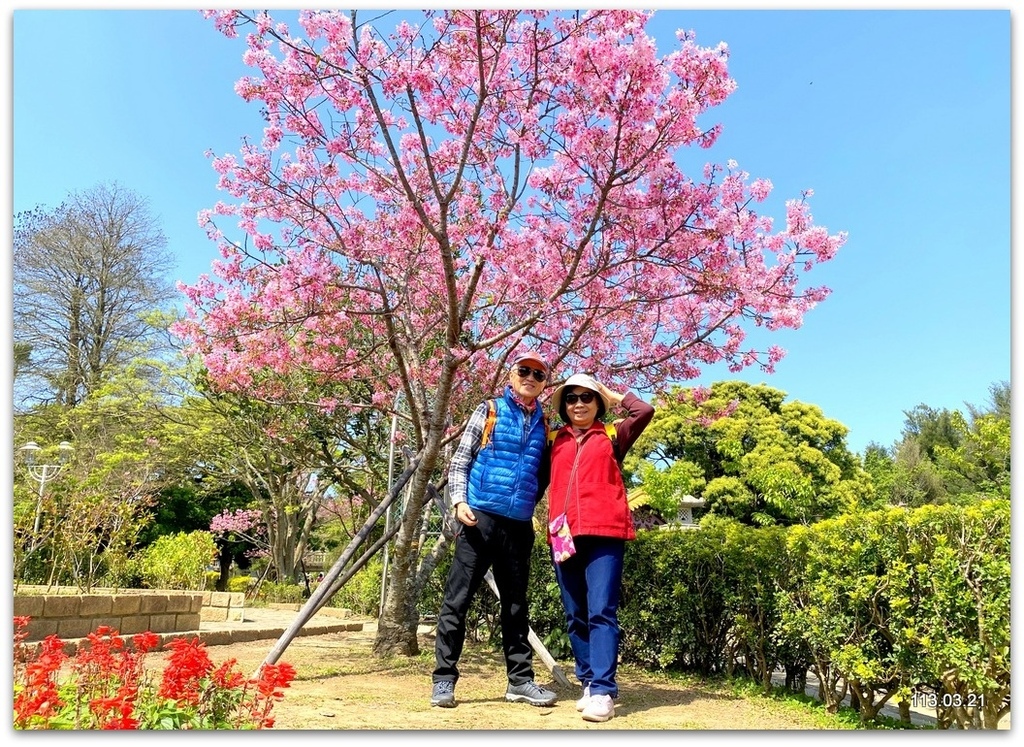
(562, 545)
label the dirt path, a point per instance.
(341, 686)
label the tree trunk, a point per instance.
(224, 557)
(399, 617)
(796, 678)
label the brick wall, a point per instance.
(223, 606)
(69, 614)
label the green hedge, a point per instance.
(889, 606)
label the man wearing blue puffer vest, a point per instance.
(494, 491)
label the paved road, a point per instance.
(260, 623)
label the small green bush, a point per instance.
(361, 593)
(126, 573)
(178, 561)
(274, 593)
(239, 583)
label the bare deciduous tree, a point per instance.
(85, 275)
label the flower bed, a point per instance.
(106, 686)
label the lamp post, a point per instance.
(43, 473)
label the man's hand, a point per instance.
(465, 514)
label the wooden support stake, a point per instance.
(535, 642)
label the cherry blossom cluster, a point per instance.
(424, 203)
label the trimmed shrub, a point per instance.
(178, 561)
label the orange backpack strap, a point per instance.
(492, 414)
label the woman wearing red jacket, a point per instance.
(586, 485)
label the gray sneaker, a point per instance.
(443, 694)
(530, 692)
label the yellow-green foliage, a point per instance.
(239, 583)
(750, 455)
(892, 602)
(235, 583)
(900, 599)
(178, 561)
(286, 593)
(361, 593)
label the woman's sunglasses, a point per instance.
(525, 371)
(584, 397)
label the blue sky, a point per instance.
(898, 120)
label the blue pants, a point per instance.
(590, 582)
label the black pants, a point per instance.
(505, 546)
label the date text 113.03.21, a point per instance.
(947, 700)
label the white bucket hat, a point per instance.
(573, 381)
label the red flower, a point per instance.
(108, 684)
(187, 665)
(227, 676)
(145, 642)
(39, 696)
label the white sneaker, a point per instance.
(600, 708)
(582, 702)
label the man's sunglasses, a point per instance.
(525, 371)
(584, 397)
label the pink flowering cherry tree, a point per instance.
(239, 529)
(424, 203)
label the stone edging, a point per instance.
(68, 613)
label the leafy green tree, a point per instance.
(979, 466)
(139, 455)
(999, 402)
(89, 520)
(946, 456)
(22, 357)
(902, 476)
(931, 428)
(303, 467)
(750, 455)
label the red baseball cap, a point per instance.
(532, 356)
